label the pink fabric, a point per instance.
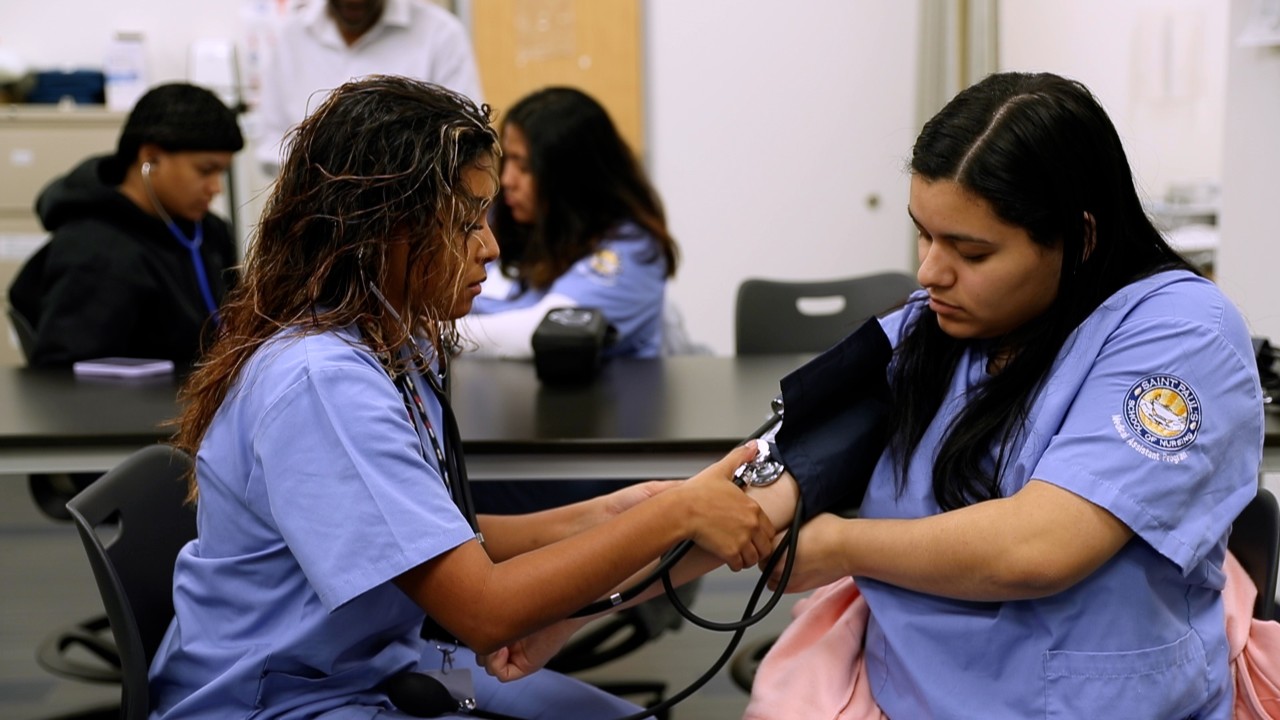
(1255, 648)
(816, 670)
(825, 632)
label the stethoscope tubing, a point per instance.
(191, 244)
(460, 490)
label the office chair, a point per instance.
(620, 634)
(50, 492)
(1255, 541)
(141, 504)
(64, 652)
(775, 316)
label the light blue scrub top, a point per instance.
(314, 494)
(1153, 411)
(625, 278)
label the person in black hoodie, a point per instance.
(136, 265)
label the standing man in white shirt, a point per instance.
(325, 43)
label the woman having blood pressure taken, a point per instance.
(579, 226)
(1075, 419)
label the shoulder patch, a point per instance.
(1162, 412)
(605, 263)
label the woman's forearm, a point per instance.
(507, 536)
(511, 535)
(1035, 543)
(779, 503)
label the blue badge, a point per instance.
(1163, 412)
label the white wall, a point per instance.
(1157, 66)
(770, 125)
(1190, 103)
(1250, 256)
(52, 34)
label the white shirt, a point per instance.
(625, 278)
(412, 38)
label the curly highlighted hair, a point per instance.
(380, 161)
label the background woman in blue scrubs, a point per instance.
(1077, 420)
(328, 517)
(579, 225)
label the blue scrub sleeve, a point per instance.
(625, 279)
(348, 486)
(1165, 432)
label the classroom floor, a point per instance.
(46, 583)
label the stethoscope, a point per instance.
(191, 244)
(423, 696)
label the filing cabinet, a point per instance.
(37, 144)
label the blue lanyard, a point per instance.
(197, 261)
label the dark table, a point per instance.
(52, 421)
(639, 419)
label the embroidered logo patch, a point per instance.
(1163, 412)
(605, 263)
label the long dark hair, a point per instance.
(380, 161)
(1043, 153)
(588, 181)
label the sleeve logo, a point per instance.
(605, 263)
(1163, 412)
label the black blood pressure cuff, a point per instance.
(569, 345)
(834, 427)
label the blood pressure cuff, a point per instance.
(569, 344)
(834, 426)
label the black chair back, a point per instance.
(1255, 541)
(775, 316)
(133, 521)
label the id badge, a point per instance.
(459, 684)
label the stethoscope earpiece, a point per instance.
(191, 244)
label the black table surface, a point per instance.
(690, 403)
(695, 403)
(53, 408)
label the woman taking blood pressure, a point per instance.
(332, 505)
